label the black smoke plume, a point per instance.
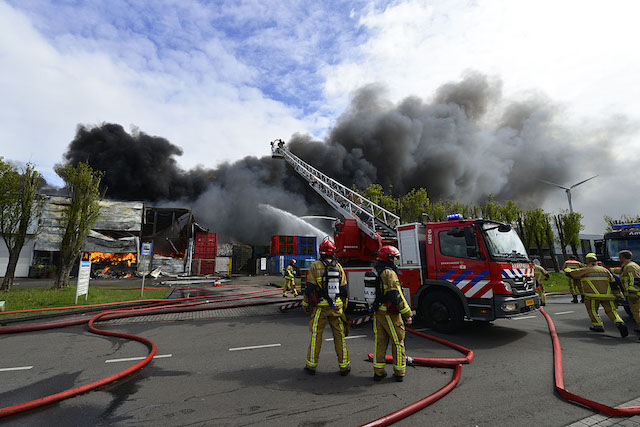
(465, 143)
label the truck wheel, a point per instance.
(442, 312)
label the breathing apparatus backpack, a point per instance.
(330, 288)
(374, 291)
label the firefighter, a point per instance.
(289, 279)
(630, 278)
(574, 285)
(541, 274)
(391, 314)
(596, 287)
(325, 298)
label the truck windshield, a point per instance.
(615, 246)
(504, 244)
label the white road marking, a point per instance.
(19, 368)
(525, 317)
(565, 312)
(255, 346)
(348, 338)
(129, 359)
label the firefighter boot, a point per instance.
(596, 329)
(575, 299)
(399, 378)
(623, 329)
(345, 372)
(581, 299)
(309, 371)
(377, 377)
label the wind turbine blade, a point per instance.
(557, 185)
(582, 182)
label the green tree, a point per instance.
(491, 209)
(20, 206)
(376, 194)
(571, 227)
(568, 224)
(82, 184)
(549, 239)
(509, 212)
(414, 204)
(534, 225)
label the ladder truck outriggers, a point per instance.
(450, 270)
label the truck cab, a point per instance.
(461, 268)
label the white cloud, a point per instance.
(48, 90)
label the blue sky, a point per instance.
(223, 78)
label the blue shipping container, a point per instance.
(277, 263)
(307, 245)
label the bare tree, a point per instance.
(82, 183)
(20, 206)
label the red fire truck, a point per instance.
(450, 270)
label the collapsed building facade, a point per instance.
(114, 242)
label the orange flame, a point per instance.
(112, 258)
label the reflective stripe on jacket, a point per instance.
(630, 277)
(390, 283)
(595, 280)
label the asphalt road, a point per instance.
(248, 371)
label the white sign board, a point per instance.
(263, 264)
(84, 274)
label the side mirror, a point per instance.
(504, 228)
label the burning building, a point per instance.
(113, 244)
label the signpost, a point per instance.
(83, 280)
(145, 263)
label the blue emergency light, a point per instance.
(621, 226)
(454, 216)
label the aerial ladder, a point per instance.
(376, 222)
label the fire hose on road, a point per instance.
(188, 304)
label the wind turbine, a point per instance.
(568, 190)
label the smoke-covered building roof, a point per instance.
(117, 229)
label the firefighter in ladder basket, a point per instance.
(325, 299)
(391, 314)
(289, 279)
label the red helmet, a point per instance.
(292, 261)
(327, 247)
(387, 253)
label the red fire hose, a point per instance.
(110, 314)
(456, 364)
(559, 381)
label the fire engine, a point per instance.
(450, 270)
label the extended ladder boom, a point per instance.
(372, 219)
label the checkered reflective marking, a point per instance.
(472, 283)
(515, 273)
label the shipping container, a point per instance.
(261, 251)
(307, 245)
(284, 245)
(277, 263)
(203, 267)
(206, 246)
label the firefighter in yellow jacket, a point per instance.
(391, 314)
(325, 298)
(596, 287)
(540, 274)
(630, 277)
(574, 284)
(289, 279)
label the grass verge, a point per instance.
(30, 298)
(557, 282)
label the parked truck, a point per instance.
(623, 236)
(450, 270)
